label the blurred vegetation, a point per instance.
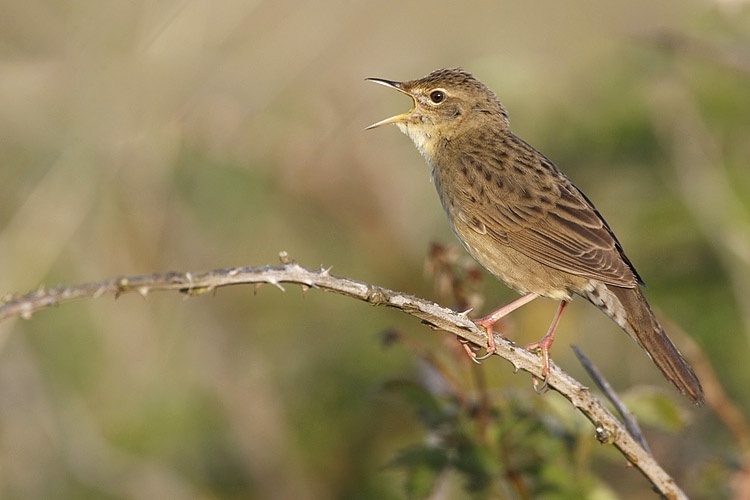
(140, 136)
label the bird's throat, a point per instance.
(425, 142)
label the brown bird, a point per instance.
(522, 219)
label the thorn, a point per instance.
(143, 291)
(305, 288)
(465, 314)
(325, 271)
(257, 287)
(275, 282)
(234, 272)
(27, 311)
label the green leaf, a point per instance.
(655, 408)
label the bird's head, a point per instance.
(447, 103)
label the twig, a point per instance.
(608, 429)
(631, 423)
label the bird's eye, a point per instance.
(437, 96)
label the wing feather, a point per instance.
(554, 224)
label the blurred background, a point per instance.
(188, 135)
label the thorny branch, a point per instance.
(608, 429)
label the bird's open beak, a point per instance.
(393, 119)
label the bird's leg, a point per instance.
(546, 342)
(488, 324)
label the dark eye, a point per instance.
(437, 96)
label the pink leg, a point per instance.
(488, 323)
(546, 342)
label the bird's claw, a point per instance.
(544, 348)
(540, 388)
(471, 350)
(482, 358)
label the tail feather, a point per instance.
(629, 309)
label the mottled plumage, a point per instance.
(522, 219)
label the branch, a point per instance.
(608, 429)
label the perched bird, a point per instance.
(522, 219)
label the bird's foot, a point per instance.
(488, 327)
(543, 346)
(471, 348)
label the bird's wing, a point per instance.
(555, 224)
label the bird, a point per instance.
(523, 220)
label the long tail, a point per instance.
(629, 309)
